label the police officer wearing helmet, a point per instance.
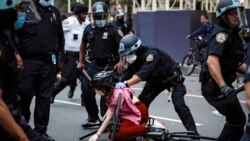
(41, 43)
(121, 23)
(12, 124)
(73, 28)
(103, 40)
(220, 70)
(159, 71)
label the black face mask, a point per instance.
(8, 19)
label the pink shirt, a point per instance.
(128, 110)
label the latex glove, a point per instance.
(120, 85)
(94, 137)
(226, 90)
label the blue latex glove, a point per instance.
(120, 85)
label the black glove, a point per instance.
(226, 91)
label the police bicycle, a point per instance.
(189, 62)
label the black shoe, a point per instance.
(91, 123)
(52, 99)
(71, 93)
(46, 137)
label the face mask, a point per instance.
(131, 58)
(20, 20)
(99, 92)
(45, 3)
(100, 23)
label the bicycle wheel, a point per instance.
(188, 64)
(115, 121)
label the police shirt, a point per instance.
(229, 47)
(123, 27)
(152, 65)
(103, 42)
(44, 36)
(73, 31)
(9, 73)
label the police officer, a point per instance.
(12, 124)
(73, 29)
(222, 67)
(204, 31)
(121, 23)
(103, 40)
(40, 44)
(159, 71)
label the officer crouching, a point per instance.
(159, 71)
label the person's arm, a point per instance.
(8, 123)
(134, 80)
(82, 53)
(215, 69)
(106, 122)
(242, 68)
(247, 91)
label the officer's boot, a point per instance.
(56, 89)
(71, 92)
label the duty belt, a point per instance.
(72, 53)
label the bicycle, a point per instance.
(189, 62)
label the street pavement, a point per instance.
(66, 115)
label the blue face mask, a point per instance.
(20, 20)
(45, 3)
(100, 23)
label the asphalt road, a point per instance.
(67, 115)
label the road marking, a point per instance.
(66, 102)
(156, 117)
(169, 119)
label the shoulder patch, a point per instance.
(221, 37)
(120, 32)
(65, 22)
(150, 58)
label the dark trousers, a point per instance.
(69, 74)
(151, 91)
(37, 79)
(31, 134)
(88, 93)
(202, 44)
(230, 108)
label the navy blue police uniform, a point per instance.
(123, 26)
(9, 78)
(40, 45)
(160, 72)
(103, 45)
(225, 44)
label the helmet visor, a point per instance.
(241, 14)
(28, 7)
(100, 16)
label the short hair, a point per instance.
(205, 15)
